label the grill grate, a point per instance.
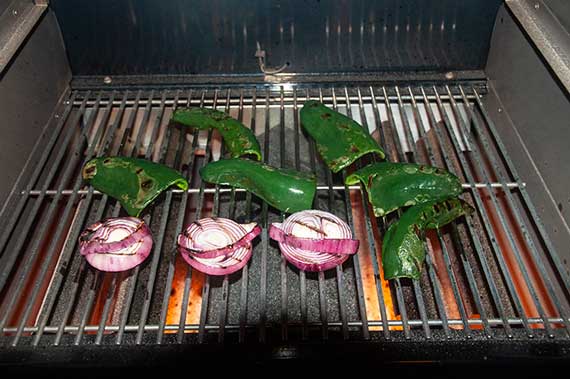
(492, 275)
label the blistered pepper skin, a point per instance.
(134, 182)
(394, 185)
(238, 139)
(340, 140)
(287, 190)
(403, 250)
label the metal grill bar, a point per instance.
(67, 300)
(199, 209)
(264, 236)
(20, 242)
(431, 272)
(371, 246)
(283, 268)
(320, 275)
(396, 155)
(534, 253)
(188, 276)
(9, 260)
(302, 274)
(469, 174)
(493, 322)
(70, 246)
(511, 167)
(50, 218)
(273, 103)
(245, 270)
(7, 223)
(412, 158)
(466, 186)
(231, 215)
(476, 241)
(467, 268)
(520, 223)
(179, 225)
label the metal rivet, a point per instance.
(500, 110)
(107, 80)
(536, 6)
(449, 75)
(15, 12)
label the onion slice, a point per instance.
(314, 240)
(323, 245)
(116, 244)
(217, 246)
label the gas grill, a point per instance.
(478, 88)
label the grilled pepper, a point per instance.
(403, 251)
(286, 190)
(238, 139)
(394, 185)
(134, 182)
(340, 140)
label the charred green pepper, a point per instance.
(286, 190)
(340, 140)
(238, 139)
(403, 250)
(394, 185)
(134, 182)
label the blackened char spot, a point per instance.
(107, 161)
(139, 170)
(90, 170)
(354, 149)
(326, 116)
(147, 184)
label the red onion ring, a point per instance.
(217, 246)
(314, 240)
(116, 244)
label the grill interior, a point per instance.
(493, 274)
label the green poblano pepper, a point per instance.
(340, 140)
(403, 250)
(135, 183)
(284, 189)
(394, 185)
(238, 139)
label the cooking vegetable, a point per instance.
(238, 139)
(394, 185)
(116, 244)
(403, 250)
(217, 246)
(340, 140)
(286, 190)
(134, 182)
(314, 240)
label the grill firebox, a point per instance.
(494, 275)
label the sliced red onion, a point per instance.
(217, 246)
(116, 244)
(314, 240)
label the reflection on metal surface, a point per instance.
(105, 37)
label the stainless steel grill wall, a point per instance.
(106, 37)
